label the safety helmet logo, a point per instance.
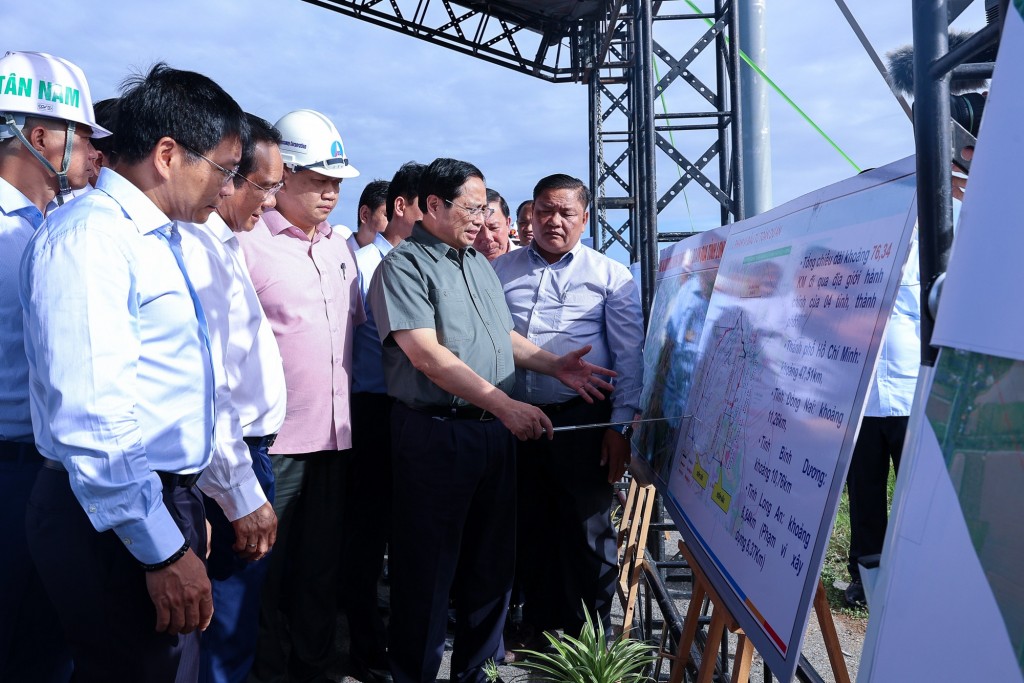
(336, 149)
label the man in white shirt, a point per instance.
(371, 216)
(122, 389)
(248, 423)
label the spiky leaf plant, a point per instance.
(588, 659)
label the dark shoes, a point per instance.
(360, 671)
(854, 595)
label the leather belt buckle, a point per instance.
(185, 481)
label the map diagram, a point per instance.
(726, 398)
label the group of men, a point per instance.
(191, 345)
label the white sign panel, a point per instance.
(786, 354)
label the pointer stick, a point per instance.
(599, 425)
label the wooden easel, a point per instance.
(633, 528)
(722, 619)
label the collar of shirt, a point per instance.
(14, 203)
(219, 228)
(435, 247)
(567, 256)
(277, 224)
(67, 198)
(139, 208)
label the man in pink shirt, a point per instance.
(306, 279)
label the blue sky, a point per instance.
(396, 98)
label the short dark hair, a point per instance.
(444, 178)
(561, 181)
(373, 195)
(183, 105)
(106, 116)
(495, 196)
(260, 130)
(528, 202)
(404, 184)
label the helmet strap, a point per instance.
(62, 175)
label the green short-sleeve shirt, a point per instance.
(424, 283)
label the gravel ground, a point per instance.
(851, 630)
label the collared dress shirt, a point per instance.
(583, 298)
(121, 379)
(367, 352)
(895, 379)
(235, 319)
(309, 290)
(19, 218)
(425, 284)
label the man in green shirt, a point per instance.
(449, 360)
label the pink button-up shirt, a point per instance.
(309, 290)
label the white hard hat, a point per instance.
(309, 141)
(38, 84)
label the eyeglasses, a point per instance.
(228, 173)
(484, 211)
(268, 192)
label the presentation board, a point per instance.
(949, 584)
(785, 355)
(686, 277)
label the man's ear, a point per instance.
(36, 137)
(364, 214)
(166, 154)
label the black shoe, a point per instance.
(854, 595)
(368, 674)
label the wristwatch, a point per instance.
(626, 430)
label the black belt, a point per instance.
(14, 451)
(556, 408)
(169, 479)
(457, 413)
(258, 442)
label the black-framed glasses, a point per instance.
(228, 173)
(268, 192)
(485, 211)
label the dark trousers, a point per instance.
(229, 644)
(565, 540)
(367, 526)
(32, 646)
(99, 589)
(454, 502)
(298, 614)
(880, 439)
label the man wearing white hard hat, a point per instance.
(46, 120)
(306, 278)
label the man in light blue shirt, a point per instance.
(42, 160)
(122, 387)
(564, 295)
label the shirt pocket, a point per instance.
(452, 319)
(583, 308)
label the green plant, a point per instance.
(588, 659)
(491, 671)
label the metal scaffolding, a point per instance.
(651, 74)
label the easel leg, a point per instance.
(830, 636)
(743, 658)
(715, 633)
